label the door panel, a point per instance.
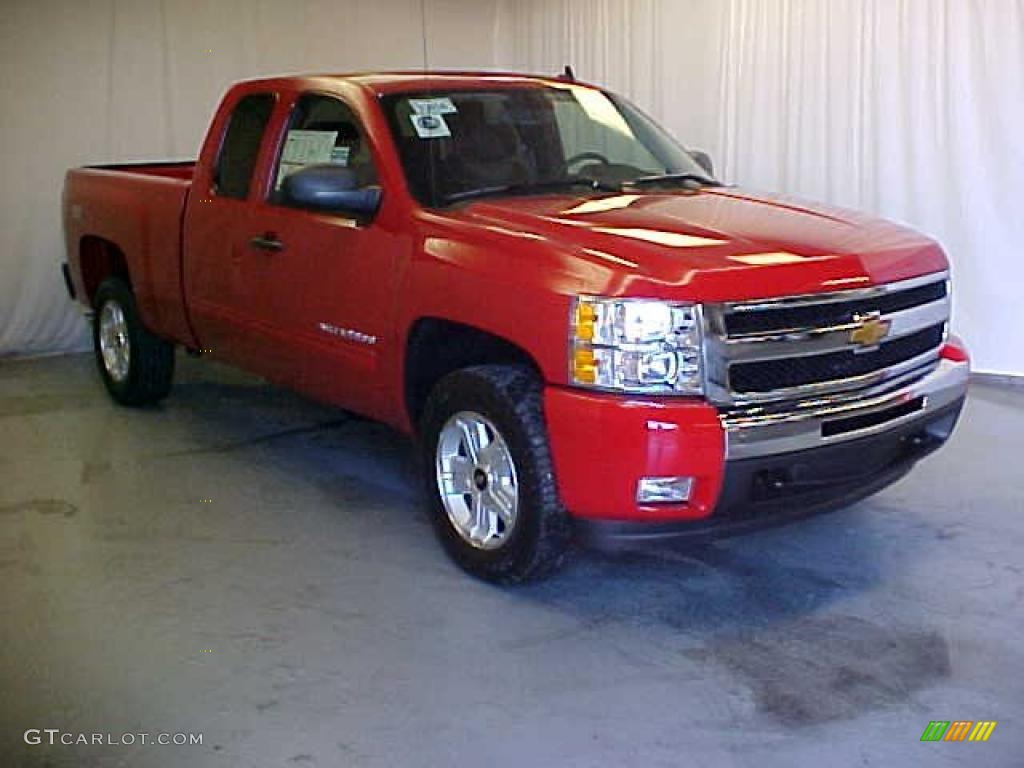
(326, 292)
(326, 299)
(221, 270)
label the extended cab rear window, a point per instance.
(237, 160)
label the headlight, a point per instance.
(636, 345)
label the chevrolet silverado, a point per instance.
(584, 330)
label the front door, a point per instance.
(326, 284)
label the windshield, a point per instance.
(461, 144)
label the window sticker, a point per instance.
(440, 106)
(430, 126)
(302, 148)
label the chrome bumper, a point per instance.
(764, 431)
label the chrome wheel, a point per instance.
(476, 478)
(114, 344)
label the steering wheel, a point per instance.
(587, 156)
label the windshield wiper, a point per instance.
(669, 178)
(542, 186)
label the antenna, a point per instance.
(568, 74)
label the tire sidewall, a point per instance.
(117, 291)
(462, 391)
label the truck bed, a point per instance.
(131, 212)
(172, 169)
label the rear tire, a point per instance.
(495, 506)
(136, 366)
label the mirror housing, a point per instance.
(703, 159)
(330, 188)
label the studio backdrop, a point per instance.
(910, 109)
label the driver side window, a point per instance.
(323, 130)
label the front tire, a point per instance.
(136, 366)
(489, 475)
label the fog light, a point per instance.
(663, 490)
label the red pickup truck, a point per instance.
(583, 329)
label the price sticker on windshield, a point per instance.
(439, 106)
(430, 126)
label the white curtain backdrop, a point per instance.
(907, 108)
(94, 81)
(911, 109)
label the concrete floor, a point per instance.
(244, 564)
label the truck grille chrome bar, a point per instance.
(793, 348)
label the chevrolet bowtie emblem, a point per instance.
(870, 331)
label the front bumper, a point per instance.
(751, 468)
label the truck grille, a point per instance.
(798, 347)
(767, 375)
(832, 313)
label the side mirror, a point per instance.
(703, 159)
(330, 188)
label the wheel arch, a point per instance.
(436, 347)
(99, 259)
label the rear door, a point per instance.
(223, 271)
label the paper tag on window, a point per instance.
(430, 126)
(440, 106)
(308, 147)
(302, 148)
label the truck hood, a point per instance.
(714, 244)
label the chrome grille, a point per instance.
(799, 347)
(788, 318)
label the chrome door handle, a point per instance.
(267, 242)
